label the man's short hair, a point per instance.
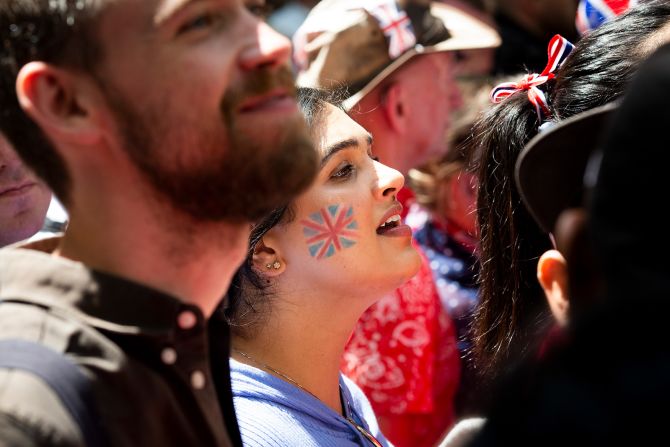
(59, 32)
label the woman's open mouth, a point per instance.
(389, 224)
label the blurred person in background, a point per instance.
(448, 237)
(525, 27)
(445, 226)
(513, 320)
(593, 13)
(525, 323)
(606, 382)
(287, 16)
(24, 198)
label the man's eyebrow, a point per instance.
(168, 9)
(341, 145)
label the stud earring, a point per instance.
(275, 265)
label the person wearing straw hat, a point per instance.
(395, 64)
(395, 60)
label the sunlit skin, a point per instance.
(176, 56)
(24, 199)
(409, 114)
(172, 61)
(432, 107)
(324, 296)
(365, 191)
(458, 197)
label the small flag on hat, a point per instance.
(396, 26)
(593, 13)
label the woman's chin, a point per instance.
(411, 264)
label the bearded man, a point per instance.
(164, 127)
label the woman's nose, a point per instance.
(389, 181)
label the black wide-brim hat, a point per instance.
(550, 170)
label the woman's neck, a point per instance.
(299, 348)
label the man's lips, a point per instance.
(275, 100)
(16, 190)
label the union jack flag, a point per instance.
(395, 25)
(330, 230)
(593, 13)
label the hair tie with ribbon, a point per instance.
(558, 51)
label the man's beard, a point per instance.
(231, 175)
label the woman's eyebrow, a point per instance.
(341, 145)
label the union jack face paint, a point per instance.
(330, 230)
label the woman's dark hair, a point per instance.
(513, 315)
(249, 291)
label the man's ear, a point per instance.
(60, 102)
(267, 259)
(394, 106)
(552, 273)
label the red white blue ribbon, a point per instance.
(558, 51)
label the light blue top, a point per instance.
(274, 413)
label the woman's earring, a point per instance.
(275, 265)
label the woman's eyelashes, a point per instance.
(346, 169)
(343, 171)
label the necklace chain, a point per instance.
(271, 369)
(369, 436)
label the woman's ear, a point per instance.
(552, 273)
(267, 259)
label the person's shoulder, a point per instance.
(359, 401)
(37, 373)
(40, 376)
(61, 329)
(258, 404)
(354, 390)
(263, 424)
(20, 432)
(32, 414)
(589, 388)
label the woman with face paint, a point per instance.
(313, 267)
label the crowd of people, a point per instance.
(332, 223)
